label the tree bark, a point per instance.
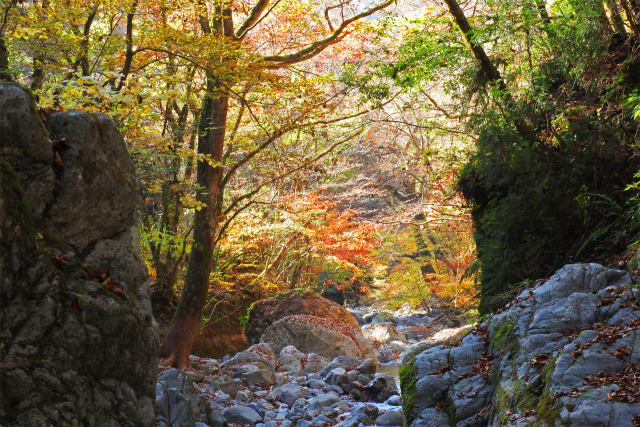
(4, 57)
(616, 19)
(177, 344)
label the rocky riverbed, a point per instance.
(291, 388)
(256, 387)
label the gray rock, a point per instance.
(394, 400)
(289, 393)
(324, 400)
(178, 401)
(291, 360)
(77, 338)
(381, 332)
(216, 419)
(431, 417)
(232, 386)
(315, 383)
(98, 179)
(391, 417)
(345, 362)
(337, 376)
(530, 355)
(314, 363)
(365, 414)
(261, 353)
(367, 367)
(312, 334)
(241, 415)
(24, 143)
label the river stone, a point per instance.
(291, 360)
(346, 362)
(392, 417)
(365, 414)
(178, 401)
(313, 334)
(289, 393)
(323, 400)
(382, 332)
(241, 414)
(261, 353)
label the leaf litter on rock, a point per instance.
(627, 380)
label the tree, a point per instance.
(177, 344)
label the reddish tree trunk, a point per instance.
(176, 346)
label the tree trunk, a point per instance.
(177, 344)
(4, 57)
(616, 19)
(488, 71)
(546, 19)
(631, 16)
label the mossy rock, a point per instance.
(408, 388)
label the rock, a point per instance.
(291, 360)
(216, 419)
(314, 363)
(241, 415)
(321, 336)
(105, 195)
(381, 317)
(394, 400)
(258, 353)
(450, 336)
(207, 366)
(289, 393)
(25, 145)
(178, 401)
(266, 312)
(367, 367)
(337, 376)
(346, 362)
(77, 339)
(232, 386)
(365, 414)
(381, 332)
(315, 383)
(531, 362)
(324, 400)
(255, 374)
(391, 417)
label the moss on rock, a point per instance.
(408, 389)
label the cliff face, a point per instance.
(77, 339)
(564, 353)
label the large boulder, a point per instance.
(77, 339)
(268, 311)
(97, 179)
(566, 352)
(311, 334)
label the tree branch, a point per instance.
(318, 46)
(252, 19)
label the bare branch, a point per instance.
(318, 46)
